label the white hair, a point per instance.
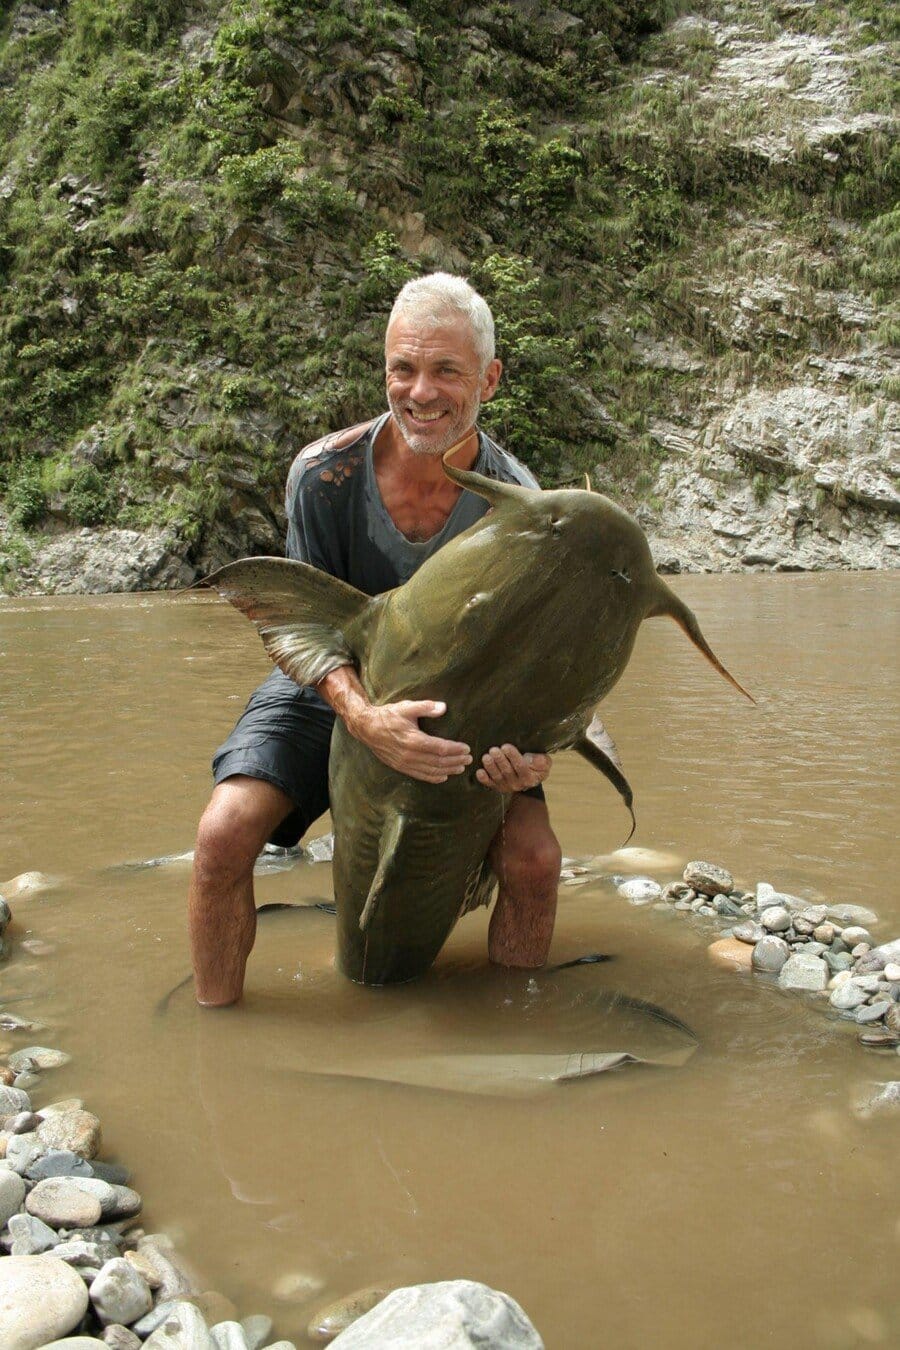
(432, 298)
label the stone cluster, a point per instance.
(77, 1271)
(824, 950)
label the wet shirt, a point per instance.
(338, 522)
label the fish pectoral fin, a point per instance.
(388, 865)
(599, 749)
(302, 613)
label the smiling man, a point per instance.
(369, 505)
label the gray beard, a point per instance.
(431, 449)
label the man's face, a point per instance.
(435, 384)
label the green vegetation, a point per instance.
(204, 214)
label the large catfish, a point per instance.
(521, 625)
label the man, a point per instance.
(369, 505)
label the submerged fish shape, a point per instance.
(521, 625)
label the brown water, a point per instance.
(736, 1201)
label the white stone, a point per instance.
(229, 1336)
(846, 996)
(26, 883)
(12, 1193)
(120, 1293)
(892, 971)
(13, 1100)
(183, 1328)
(452, 1315)
(41, 1300)
(640, 890)
(775, 919)
(61, 1203)
(803, 972)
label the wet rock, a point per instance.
(145, 1267)
(38, 1057)
(775, 919)
(25, 884)
(825, 932)
(838, 961)
(214, 1306)
(120, 1338)
(854, 934)
(677, 890)
(61, 1203)
(173, 1280)
(803, 972)
(23, 1150)
(640, 890)
(770, 954)
(869, 983)
(13, 1100)
(872, 1012)
(451, 1315)
(257, 1329)
(748, 932)
(878, 1098)
(182, 1328)
(120, 1293)
(335, 1317)
(861, 950)
(878, 1039)
(814, 914)
(74, 1343)
(889, 950)
(12, 1193)
(115, 1173)
(229, 1336)
(41, 1299)
(708, 878)
(59, 1163)
(26, 1122)
(296, 1286)
(892, 1018)
(852, 914)
(321, 849)
(730, 954)
(76, 1131)
(30, 1236)
(846, 997)
(85, 1255)
(803, 926)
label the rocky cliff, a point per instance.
(683, 217)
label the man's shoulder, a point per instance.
(501, 464)
(331, 458)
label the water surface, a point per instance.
(737, 1200)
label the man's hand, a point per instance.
(507, 770)
(392, 731)
(393, 734)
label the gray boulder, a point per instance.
(451, 1315)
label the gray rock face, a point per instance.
(120, 1294)
(775, 919)
(846, 997)
(95, 562)
(59, 1163)
(803, 972)
(452, 1315)
(13, 1100)
(41, 1299)
(708, 878)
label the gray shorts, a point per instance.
(283, 736)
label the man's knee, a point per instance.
(533, 865)
(241, 815)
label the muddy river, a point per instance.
(738, 1200)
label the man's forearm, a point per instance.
(343, 692)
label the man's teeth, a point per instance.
(426, 417)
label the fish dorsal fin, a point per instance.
(387, 863)
(302, 613)
(599, 749)
(494, 491)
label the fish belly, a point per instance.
(433, 870)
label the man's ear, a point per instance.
(492, 373)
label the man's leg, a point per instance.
(241, 815)
(526, 858)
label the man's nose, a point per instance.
(422, 389)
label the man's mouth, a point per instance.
(425, 416)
